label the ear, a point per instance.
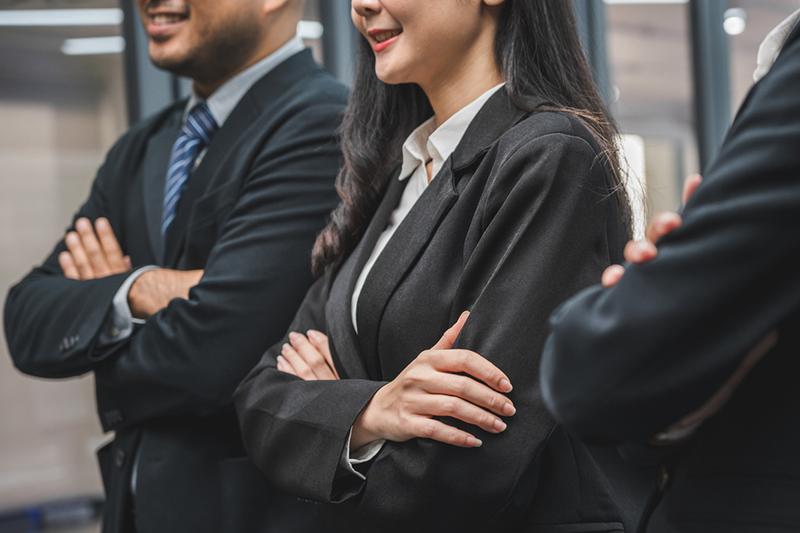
(273, 6)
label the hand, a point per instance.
(639, 252)
(308, 357)
(155, 289)
(93, 252)
(433, 385)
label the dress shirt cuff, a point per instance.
(364, 454)
(120, 321)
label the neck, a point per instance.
(475, 73)
(205, 88)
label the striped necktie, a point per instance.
(195, 135)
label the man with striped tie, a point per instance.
(187, 261)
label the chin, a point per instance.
(169, 57)
(390, 75)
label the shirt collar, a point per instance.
(771, 47)
(223, 101)
(427, 143)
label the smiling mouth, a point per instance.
(384, 35)
(165, 13)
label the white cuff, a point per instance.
(120, 321)
(362, 455)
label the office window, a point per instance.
(747, 23)
(61, 113)
(649, 58)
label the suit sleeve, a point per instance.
(189, 357)
(544, 239)
(626, 363)
(51, 322)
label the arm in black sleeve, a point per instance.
(629, 362)
(545, 239)
(52, 323)
(189, 357)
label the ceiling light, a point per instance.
(61, 17)
(93, 46)
(735, 21)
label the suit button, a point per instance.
(113, 332)
(119, 458)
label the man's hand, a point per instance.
(93, 251)
(639, 252)
(155, 289)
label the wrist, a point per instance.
(137, 295)
(364, 429)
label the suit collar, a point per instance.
(260, 99)
(496, 117)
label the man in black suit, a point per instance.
(691, 358)
(215, 203)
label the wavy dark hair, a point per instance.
(541, 58)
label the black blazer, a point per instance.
(520, 217)
(626, 363)
(248, 217)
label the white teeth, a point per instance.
(164, 18)
(385, 36)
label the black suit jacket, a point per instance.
(249, 218)
(626, 363)
(520, 217)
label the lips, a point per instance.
(164, 18)
(381, 39)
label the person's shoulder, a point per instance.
(555, 127)
(321, 87)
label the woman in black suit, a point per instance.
(480, 174)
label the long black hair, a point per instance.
(540, 56)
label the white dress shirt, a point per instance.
(426, 144)
(773, 44)
(119, 325)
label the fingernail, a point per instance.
(509, 409)
(313, 335)
(475, 443)
(285, 347)
(505, 385)
(82, 223)
(101, 223)
(294, 337)
(71, 237)
(500, 426)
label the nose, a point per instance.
(366, 8)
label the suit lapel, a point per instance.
(418, 228)
(159, 149)
(260, 99)
(339, 309)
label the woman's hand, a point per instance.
(308, 357)
(639, 252)
(433, 385)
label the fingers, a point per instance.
(450, 406)
(472, 391)
(311, 356)
(449, 337)
(428, 428)
(97, 258)
(320, 341)
(284, 366)
(68, 266)
(612, 275)
(110, 246)
(79, 257)
(690, 186)
(301, 369)
(662, 224)
(638, 252)
(455, 361)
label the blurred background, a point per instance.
(74, 75)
